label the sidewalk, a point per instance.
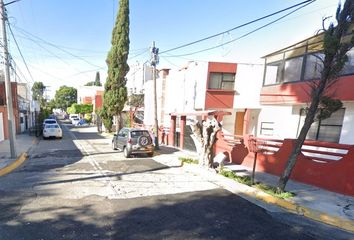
(23, 144)
(310, 201)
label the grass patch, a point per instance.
(188, 160)
(241, 179)
(261, 186)
(273, 191)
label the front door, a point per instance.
(239, 123)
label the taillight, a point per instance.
(130, 140)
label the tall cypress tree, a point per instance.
(98, 79)
(115, 95)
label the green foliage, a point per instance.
(107, 119)
(70, 110)
(241, 179)
(65, 97)
(188, 160)
(328, 106)
(274, 191)
(115, 95)
(81, 108)
(90, 83)
(108, 122)
(114, 100)
(38, 89)
(136, 100)
(88, 118)
(97, 80)
(261, 186)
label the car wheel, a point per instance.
(114, 146)
(126, 153)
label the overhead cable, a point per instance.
(307, 2)
(244, 35)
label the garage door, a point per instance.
(1, 127)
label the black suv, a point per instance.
(133, 141)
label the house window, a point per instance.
(349, 65)
(223, 81)
(267, 128)
(314, 66)
(292, 69)
(274, 73)
(328, 130)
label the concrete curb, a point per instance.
(9, 168)
(250, 192)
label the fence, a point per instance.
(326, 165)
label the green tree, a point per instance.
(65, 97)
(97, 81)
(335, 50)
(136, 101)
(92, 83)
(38, 89)
(115, 94)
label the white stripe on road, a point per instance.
(93, 162)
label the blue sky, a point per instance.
(66, 41)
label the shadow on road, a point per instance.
(214, 214)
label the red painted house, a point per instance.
(3, 110)
(327, 157)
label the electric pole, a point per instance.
(154, 62)
(8, 89)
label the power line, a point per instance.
(239, 26)
(242, 36)
(57, 47)
(58, 57)
(19, 50)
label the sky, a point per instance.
(65, 42)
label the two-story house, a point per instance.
(201, 88)
(286, 93)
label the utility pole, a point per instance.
(8, 89)
(154, 62)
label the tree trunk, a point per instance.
(205, 134)
(119, 122)
(310, 116)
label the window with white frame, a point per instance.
(274, 73)
(224, 81)
(328, 130)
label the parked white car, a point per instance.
(72, 116)
(75, 121)
(52, 130)
(49, 121)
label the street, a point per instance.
(79, 188)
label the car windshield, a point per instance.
(51, 126)
(49, 121)
(139, 133)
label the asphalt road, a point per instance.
(79, 188)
